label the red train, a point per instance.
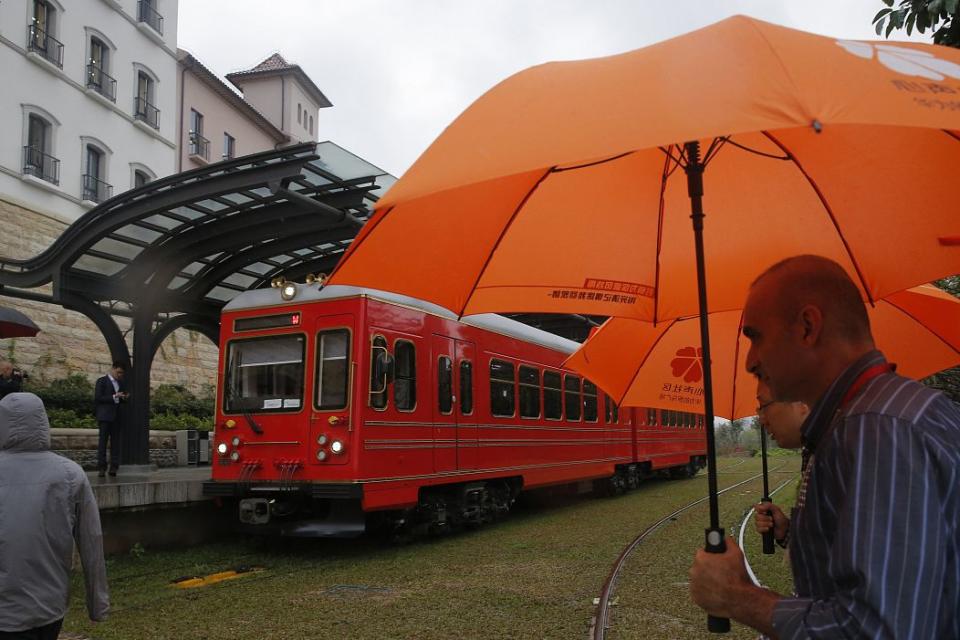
(343, 408)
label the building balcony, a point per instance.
(40, 165)
(149, 16)
(96, 190)
(98, 80)
(146, 112)
(46, 46)
(199, 147)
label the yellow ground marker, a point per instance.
(213, 578)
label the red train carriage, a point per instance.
(342, 407)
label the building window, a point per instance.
(147, 13)
(299, 113)
(502, 395)
(229, 146)
(41, 31)
(405, 382)
(143, 107)
(466, 387)
(37, 159)
(198, 145)
(95, 187)
(311, 125)
(99, 63)
(140, 178)
(529, 390)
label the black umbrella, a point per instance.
(14, 324)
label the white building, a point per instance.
(89, 102)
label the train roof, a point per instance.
(307, 293)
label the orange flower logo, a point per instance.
(689, 364)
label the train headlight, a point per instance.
(322, 439)
(336, 446)
(321, 455)
(236, 441)
(288, 291)
(235, 456)
(222, 448)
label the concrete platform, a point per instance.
(176, 485)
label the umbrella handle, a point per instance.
(768, 547)
(716, 543)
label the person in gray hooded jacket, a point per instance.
(46, 504)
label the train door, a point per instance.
(452, 366)
(330, 416)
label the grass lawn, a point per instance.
(534, 575)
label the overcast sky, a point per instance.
(398, 71)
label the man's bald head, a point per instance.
(814, 280)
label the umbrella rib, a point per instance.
(921, 323)
(594, 163)
(756, 151)
(667, 172)
(503, 233)
(826, 207)
(736, 360)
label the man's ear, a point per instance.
(810, 320)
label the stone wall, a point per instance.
(80, 445)
(69, 342)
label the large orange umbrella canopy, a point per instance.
(559, 190)
(640, 364)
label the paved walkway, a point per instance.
(162, 486)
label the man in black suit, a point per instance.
(108, 394)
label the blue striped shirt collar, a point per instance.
(821, 413)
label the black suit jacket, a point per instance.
(104, 406)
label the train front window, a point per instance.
(333, 357)
(264, 375)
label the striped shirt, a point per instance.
(874, 549)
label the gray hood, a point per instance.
(23, 423)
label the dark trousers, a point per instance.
(46, 632)
(108, 431)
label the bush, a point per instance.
(68, 418)
(175, 422)
(177, 399)
(73, 393)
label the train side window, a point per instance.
(616, 411)
(445, 385)
(529, 389)
(333, 370)
(652, 417)
(589, 401)
(405, 383)
(552, 396)
(466, 387)
(607, 409)
(502, 395)
(571, 397)
(379, 357)
(688, 420)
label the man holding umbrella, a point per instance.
(874, 544)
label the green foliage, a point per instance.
(70, 419)
(177, 421)
(940, 16)
(177, 399)
(947, 381)
(73, 393)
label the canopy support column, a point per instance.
(135, 445)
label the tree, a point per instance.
(940, 16)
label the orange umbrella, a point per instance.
(567, 187)
(639, 364)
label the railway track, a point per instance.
(601, 620)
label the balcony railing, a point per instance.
(148, 15)
(143, 110)
(95, 190)
(41, 165)
(46, 45)
(101, 82)
(199, 146)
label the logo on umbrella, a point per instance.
(911, 62)
(688, 364)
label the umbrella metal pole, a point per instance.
(768, 536)
(715, 542)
